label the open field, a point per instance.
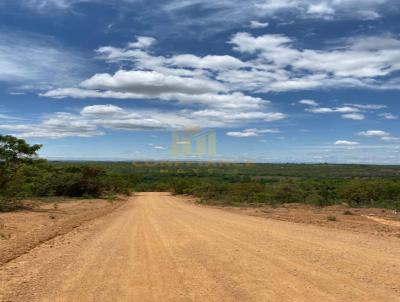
(158, 247)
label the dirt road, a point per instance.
(160, 248)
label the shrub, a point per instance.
(287, 192)
(7, 204)
(331, 218)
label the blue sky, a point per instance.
(279, 81)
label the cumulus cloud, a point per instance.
(142, 42)
(276, 65)
(308, 102)
(389, 116)
(234, 100)
(321, 9)
(346, 143)
(241, 134)
(251, 132)
(158, 147)
(374, 133)
(258, 24)
(391, 139)
(354, 63)
(234, 116)
(97, 119)
(208, 62)
(343, 109)
(368, 106)
(150, 83)
(383, 135)
(218, 83)
(60, 125)
(353, 116)
(179, 78)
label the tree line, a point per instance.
(383, 193)
(23, 175)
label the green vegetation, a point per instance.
(331, 218)
(23, 175)
(274, 184)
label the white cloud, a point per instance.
(208, 62)
(274, 116)
(96, 119)
(235, 117)
(346, 143)
(343, 109)
(320, 110)
(389, 116)
(235, 100)
(353, 116)
(150, 83)
(352, 64)
(383, 135)
(258, 24)
(60, 125)
(359, 9)
(142, 42)
(308, 102)
(275, 66)
(102, 110)
(177, 79)
(346, 109)
(374, 133)
(251, 132)
(321, 9)
(368, 106)
(157, 147)
(391, 139)
(241, 134)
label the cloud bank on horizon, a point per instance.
(319, 80)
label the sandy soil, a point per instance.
(381, 222)
(21, 231)
(157, 247)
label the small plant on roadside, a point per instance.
(4, 236)
(331, 218)
(347, 212)
(110, 197)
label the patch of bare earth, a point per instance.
(158, 247)
(21, 231)
(382, 222)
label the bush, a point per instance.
(7, 204)
(331, 218)
(287, 192)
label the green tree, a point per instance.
(14, 151)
